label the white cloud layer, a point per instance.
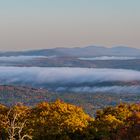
(19, 58)
(108, 89)
(107, 58)
(63, 76)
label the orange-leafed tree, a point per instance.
(59, 120)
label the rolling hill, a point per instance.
(88, 51)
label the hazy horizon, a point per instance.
(28, 25)
(37, 49)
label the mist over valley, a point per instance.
(82, 73)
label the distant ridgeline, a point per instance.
(79, 52)
(62, 121)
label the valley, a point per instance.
(91, 81)
(90, 102)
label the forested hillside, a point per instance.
(62, 121)
(90, 102)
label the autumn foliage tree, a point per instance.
(118, 123)
(59, 120)
(14, 122)
(62, 121)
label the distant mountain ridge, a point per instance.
(89, 51)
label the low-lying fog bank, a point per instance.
(71, 79)
(104, 89)
(108, 58)
(19, 58)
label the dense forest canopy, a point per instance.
(62, 121)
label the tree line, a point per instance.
(62, 121)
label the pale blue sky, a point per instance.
(36, 24)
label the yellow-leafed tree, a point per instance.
(58, 120)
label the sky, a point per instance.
(37, 24)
